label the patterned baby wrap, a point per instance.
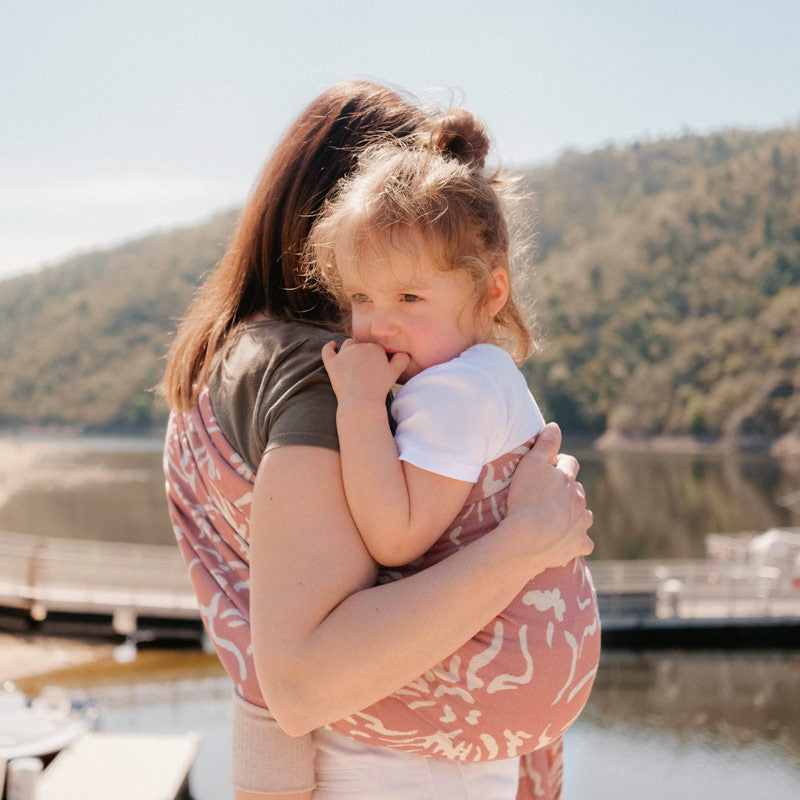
(513, 689)
(519, 683)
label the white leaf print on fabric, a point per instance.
(544, 601)
(486, 657)
(209, 613)
(502, 682)
(492, 748)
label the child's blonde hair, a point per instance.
(441, 192)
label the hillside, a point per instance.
(668, 287)
(666, 284)
(82, 343)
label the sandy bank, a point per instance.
(25, 656)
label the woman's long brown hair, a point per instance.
(262, 268)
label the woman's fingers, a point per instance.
(548, 443)
(568, 465)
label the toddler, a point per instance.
(415, 246)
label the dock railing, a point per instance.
(693, 589)
(126, 580)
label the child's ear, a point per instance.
(496, 292)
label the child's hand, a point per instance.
(362, 370)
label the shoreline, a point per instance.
(25, 656)
(55, 438)
(786, 446)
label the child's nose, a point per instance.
(383, 324)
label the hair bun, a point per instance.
(460, 134)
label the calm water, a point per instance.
(645, 506)
(658, 725)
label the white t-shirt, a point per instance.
(455, 417)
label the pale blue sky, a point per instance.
(122, 117)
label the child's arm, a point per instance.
(400, 510)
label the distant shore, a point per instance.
(38, 439)
(44, 461)
(786, 446)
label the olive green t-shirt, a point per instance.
(269, 388)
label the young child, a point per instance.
(416, 245)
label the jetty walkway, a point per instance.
(747, 591)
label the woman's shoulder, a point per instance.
(268, 386)
(270, 341)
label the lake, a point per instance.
(658, 724)
(645, 505)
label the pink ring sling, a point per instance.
(511, 690)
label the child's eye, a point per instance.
(357, 299)
(411, 298)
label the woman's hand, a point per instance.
(548, 501)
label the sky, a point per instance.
(118, 117)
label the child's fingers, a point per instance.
(397, 363)
(328, 353)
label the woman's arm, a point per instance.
(326, 641)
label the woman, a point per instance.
(286, 587)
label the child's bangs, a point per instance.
(363, 247)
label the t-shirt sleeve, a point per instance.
(448, 421)
(296, 404)
(306, 417)
(269, 389)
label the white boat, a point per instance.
(777, 548)
(38, 728)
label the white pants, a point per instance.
(347, 769)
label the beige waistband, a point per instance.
(265, 759)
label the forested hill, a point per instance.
(82, 343)
(667, 288)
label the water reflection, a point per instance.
(658, 726)
(646, 505)
(729, 699)
(688, 725)
(90, 489)
(661, 506)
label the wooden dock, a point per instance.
(697, 602)
(71, 585)
(144, 591)
(117, 766)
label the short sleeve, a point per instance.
(449, 420)
(306, 415)
(269, 389)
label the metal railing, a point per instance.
(72, 575)
(693, 589)
(42, 574)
